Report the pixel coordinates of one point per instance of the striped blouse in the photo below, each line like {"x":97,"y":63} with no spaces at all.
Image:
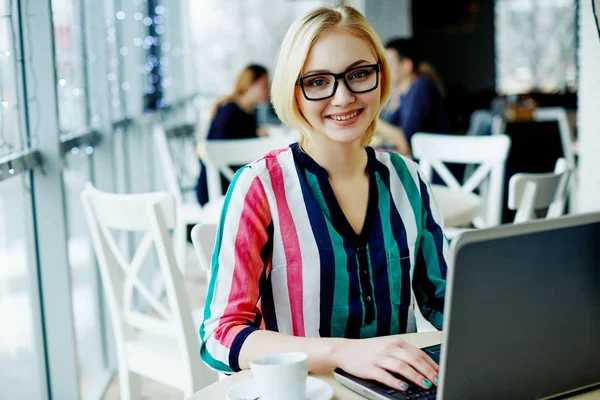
{"x":286,"y":258}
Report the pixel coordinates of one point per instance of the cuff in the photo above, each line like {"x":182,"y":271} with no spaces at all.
{"x":234,"y":352}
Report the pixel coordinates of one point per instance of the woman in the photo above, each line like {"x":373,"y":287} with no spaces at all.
{"x":417,"y":103}
{"x":320,"y":243}
{"x":233,"y":117}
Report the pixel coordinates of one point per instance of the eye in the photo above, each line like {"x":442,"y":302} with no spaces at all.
{"x":359,"y":74}
{"x":317,"y":81}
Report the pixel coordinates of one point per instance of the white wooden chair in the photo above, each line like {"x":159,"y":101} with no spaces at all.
{"x":162,"y":344}
{"x":188,"y":212}
{"x":529,"y":192}
{"x":220,"y":155}
{"x":559,"y":115}
{"x":490,"y":152}
{"x":203,"y":238}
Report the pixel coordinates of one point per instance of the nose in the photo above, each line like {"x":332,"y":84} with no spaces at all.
{"x":342,"y":96}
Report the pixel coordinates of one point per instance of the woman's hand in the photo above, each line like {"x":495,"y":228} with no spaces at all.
{"x":377,"y":358}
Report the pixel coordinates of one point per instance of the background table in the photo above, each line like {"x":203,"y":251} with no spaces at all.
{"x":218,"y":390}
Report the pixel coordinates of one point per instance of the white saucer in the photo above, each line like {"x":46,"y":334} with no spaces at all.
{"x":316,"y":389}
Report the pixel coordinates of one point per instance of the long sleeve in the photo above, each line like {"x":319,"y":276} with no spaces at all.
{"x":240,"y":264}
{"x":429,"y":281}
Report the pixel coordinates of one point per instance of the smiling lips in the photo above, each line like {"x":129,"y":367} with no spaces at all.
{"x":345,"y":119}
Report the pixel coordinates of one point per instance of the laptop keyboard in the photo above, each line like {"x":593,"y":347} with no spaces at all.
{"x":414,"y":392}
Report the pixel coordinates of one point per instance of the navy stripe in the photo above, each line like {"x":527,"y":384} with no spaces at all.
{"x":399,"y":233}
{"x":434,"y":228}
{"x":234,"y":352}
{"x":318,"y":224}
{"x":381,"y":284}
{"x":264,"y":284}
{"x":355,"y":306}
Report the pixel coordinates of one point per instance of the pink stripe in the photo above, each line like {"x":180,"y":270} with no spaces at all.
{"x":250,"y":239}
{"x":291,"y":247}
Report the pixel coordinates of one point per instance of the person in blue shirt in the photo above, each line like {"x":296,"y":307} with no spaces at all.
{"x":233,"y":117}
{"x":417,"y":102}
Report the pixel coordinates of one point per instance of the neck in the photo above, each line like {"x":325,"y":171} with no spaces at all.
{"x":342,"y":161}
{"x":246,"y":104}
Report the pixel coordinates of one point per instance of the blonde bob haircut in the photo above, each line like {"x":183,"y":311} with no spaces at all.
{"x":296,"y":45}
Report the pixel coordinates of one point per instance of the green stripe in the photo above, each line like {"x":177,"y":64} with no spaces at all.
{"x":410,"y":186}
{"x":339,"y":312}
{"x":214,"y":272}
{"x":394,"y":270}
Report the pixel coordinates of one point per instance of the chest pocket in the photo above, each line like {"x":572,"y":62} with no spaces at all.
{"x":398,"y":262}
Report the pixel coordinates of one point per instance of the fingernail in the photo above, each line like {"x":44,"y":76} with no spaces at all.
{"x":436,"y":380}
{"x":426,"y":383}
{"x":404,"y":386}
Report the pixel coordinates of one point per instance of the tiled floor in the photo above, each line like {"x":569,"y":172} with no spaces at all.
{"x":195,"y":285}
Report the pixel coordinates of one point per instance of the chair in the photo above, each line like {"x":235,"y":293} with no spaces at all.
{"x":162,"y":344}
{"x":203,"y":238}
{"x":188,"y":212}
{"x":528,"y":193}
{"x":220,"y":155}
{"x":490,"y":152}
{"x":559,"y":115}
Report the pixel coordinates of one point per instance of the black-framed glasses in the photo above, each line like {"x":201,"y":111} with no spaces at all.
{"x":322,"y":85}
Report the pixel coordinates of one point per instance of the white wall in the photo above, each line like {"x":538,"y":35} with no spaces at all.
{"x":390,"y":18}
{"x":588,"y":118}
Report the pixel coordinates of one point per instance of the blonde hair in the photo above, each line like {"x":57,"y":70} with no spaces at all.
{"x":296,"y":45}
{"x":244,"y":80}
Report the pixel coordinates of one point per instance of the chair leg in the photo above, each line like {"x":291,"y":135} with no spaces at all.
{"x":129,"y":385}
{"x":180,"y":239}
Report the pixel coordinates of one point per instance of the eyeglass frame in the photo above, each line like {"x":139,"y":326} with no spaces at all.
{"x":337,"y":77}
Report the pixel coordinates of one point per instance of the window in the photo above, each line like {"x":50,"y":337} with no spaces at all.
{"x":70,"y":71}
{"x":19,"y":357}
{"x":536,"y":45}
{"x":10,"y":138}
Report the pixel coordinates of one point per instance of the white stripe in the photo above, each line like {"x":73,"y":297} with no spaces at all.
{"x":400,"y":200}
{"x":311,"y":261}
{"x":226,"y":260}
{"x":278,"y":272}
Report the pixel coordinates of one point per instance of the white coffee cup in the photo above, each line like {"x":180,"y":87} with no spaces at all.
{"x":281,"y":376}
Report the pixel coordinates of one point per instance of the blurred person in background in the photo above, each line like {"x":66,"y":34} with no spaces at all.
{"x":233,"y":117}
{"x":417,"y":98}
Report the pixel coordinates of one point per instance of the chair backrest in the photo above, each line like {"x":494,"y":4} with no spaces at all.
{"x":529,"y":192}
{"x":220,"y":155}
{"x":151,"y":214}
{"x":480,"y":123}
{"x":166,"y":162}
{"x":489,"y":152}
{"x":559,"y":115}
{"x":203,"y":238}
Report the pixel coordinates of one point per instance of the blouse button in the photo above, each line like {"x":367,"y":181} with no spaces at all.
{"x":368,"y":298}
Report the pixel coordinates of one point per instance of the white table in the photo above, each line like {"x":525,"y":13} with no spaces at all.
{"x":458,"y":208}
{"x":218,"y":390}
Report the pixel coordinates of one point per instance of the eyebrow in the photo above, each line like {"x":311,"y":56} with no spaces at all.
{"x":320,"y":71}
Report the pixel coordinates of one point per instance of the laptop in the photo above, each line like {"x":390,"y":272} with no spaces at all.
{"x":522,"y":315}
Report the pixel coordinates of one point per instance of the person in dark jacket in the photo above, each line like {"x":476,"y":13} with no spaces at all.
{"x":417,"y":100}
{"x":233,"y":117}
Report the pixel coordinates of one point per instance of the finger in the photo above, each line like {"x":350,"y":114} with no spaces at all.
{"x":418,"y":360}
{"x":406,"y":370}
{"x":383,"y":376}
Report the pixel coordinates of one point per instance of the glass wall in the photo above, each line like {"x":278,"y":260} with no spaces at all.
{"x":10,"y":132}
{"x":19,"y":355}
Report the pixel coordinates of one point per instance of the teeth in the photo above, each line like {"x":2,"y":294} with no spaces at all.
{"x":345,"y":117}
